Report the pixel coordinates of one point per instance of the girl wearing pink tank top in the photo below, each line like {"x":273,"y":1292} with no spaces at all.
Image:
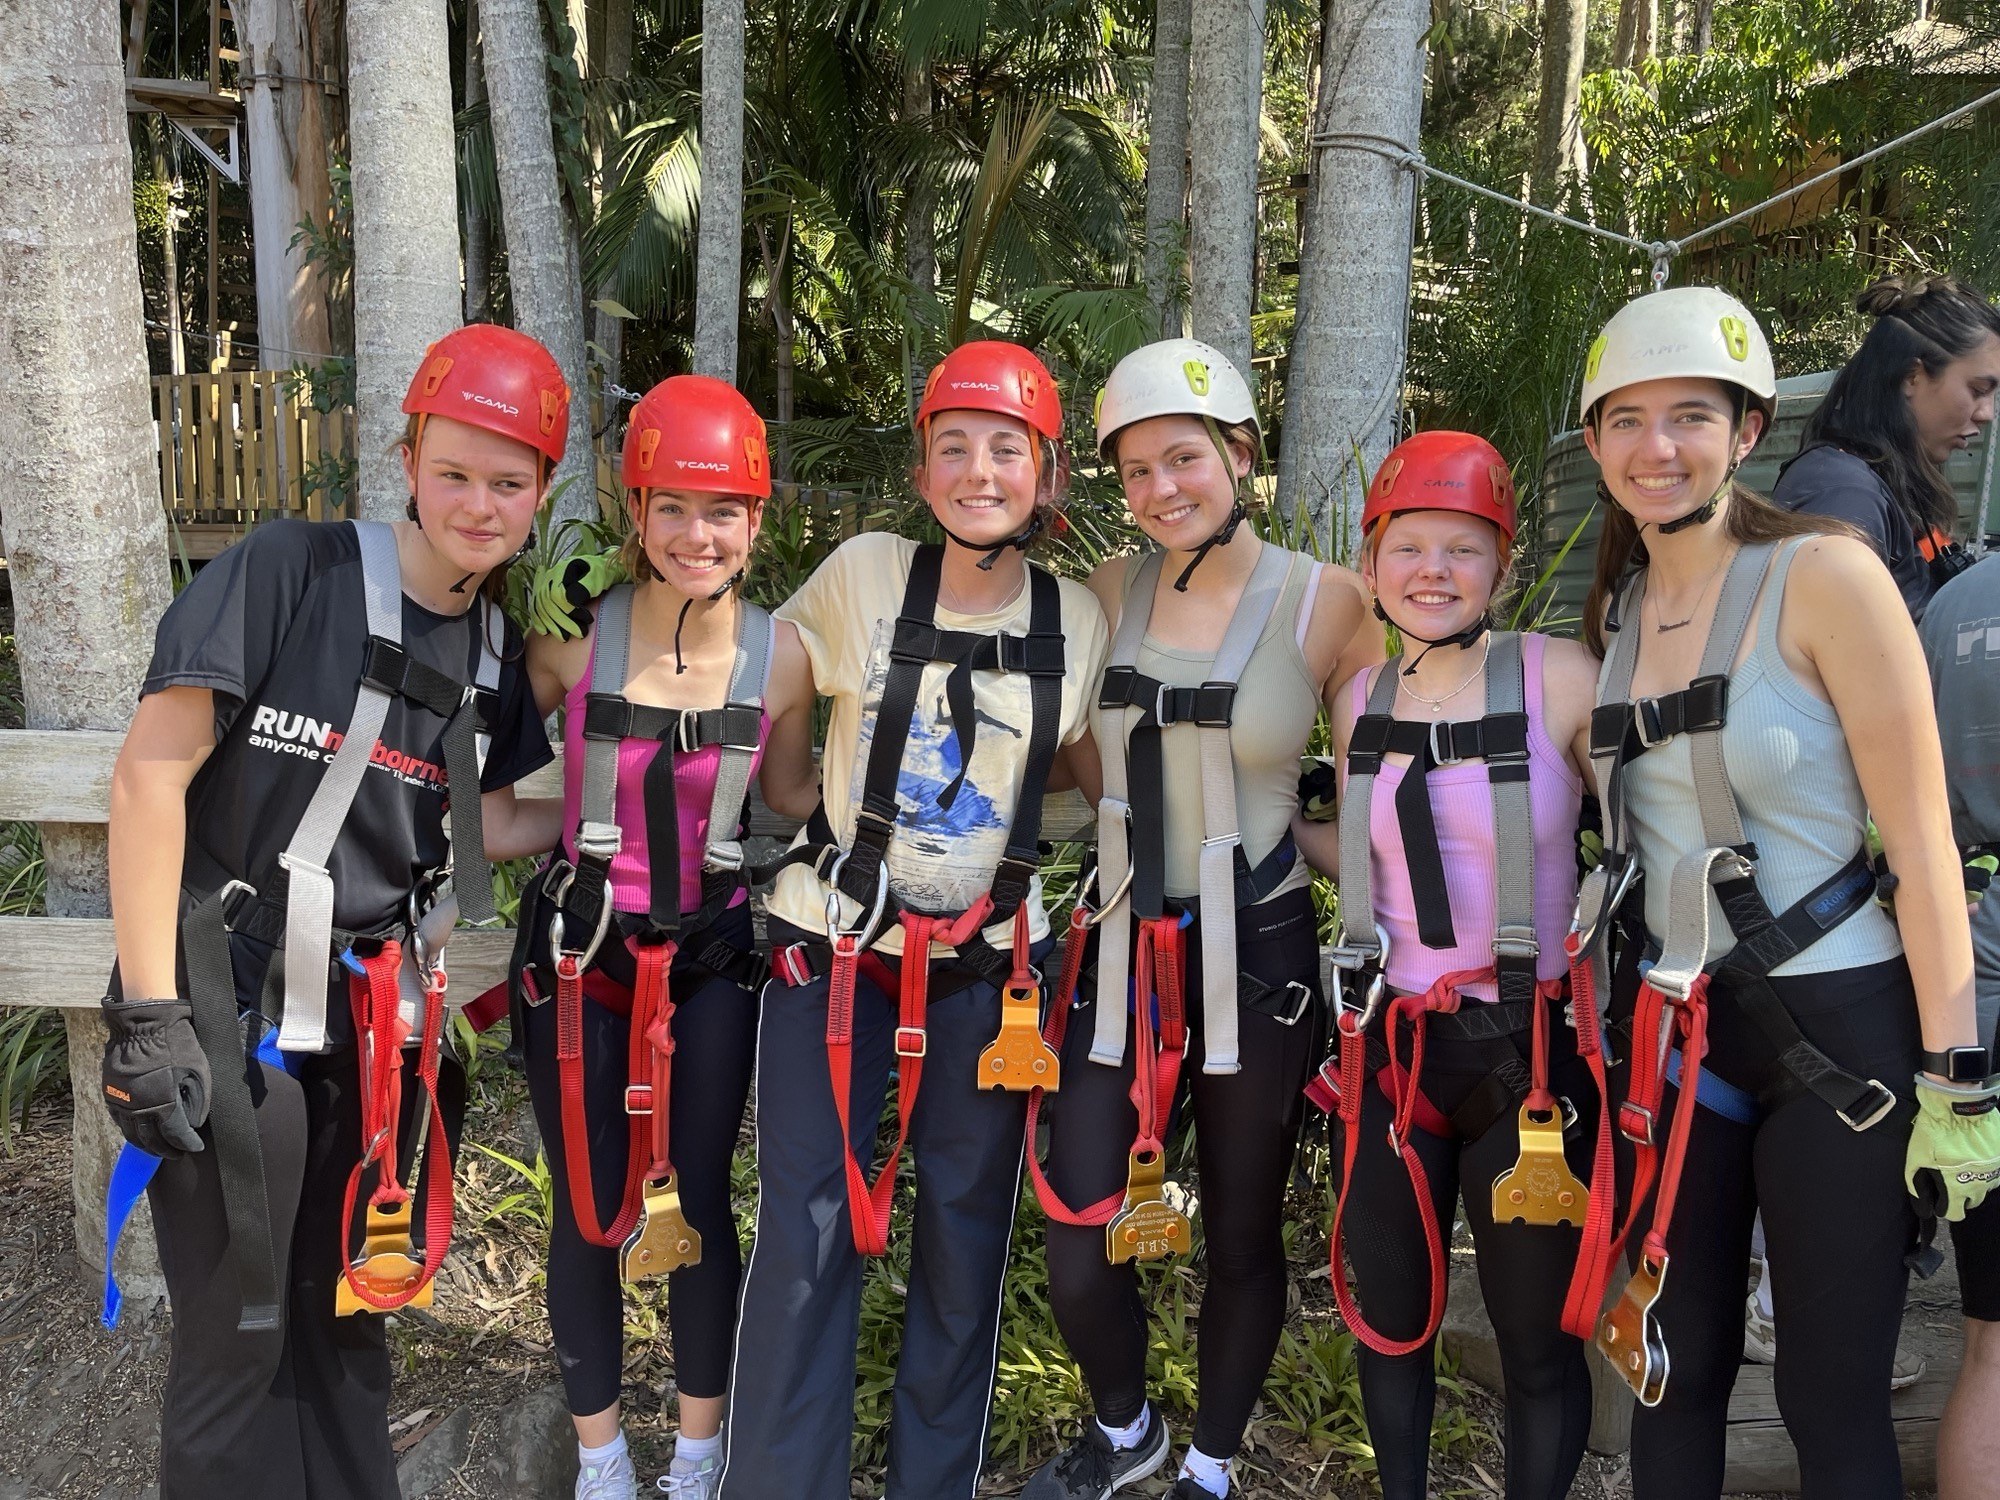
{"x":652,"y":1023}
{"x":1438,"y":532}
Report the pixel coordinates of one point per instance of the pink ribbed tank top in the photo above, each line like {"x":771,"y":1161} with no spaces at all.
{"x":1462,"y":806}
{"x":694,"y":786}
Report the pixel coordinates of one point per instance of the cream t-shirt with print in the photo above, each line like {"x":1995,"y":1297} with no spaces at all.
{"x":940,"y":859}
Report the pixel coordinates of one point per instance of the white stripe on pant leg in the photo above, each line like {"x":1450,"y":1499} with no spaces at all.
{"x":757,"y":1234}
{"x":999,"y":1298}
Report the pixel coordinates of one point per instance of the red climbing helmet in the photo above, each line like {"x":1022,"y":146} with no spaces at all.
{"x":1455,"y":471}
{"x":992,"y":375}
{"x":493,"y":377}
{"x":694,"y":432}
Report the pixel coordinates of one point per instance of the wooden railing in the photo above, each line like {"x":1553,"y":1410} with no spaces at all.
{"x":239,"y":447}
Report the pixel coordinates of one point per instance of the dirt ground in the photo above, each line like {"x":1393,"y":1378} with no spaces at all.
{"x":79,"y":1406}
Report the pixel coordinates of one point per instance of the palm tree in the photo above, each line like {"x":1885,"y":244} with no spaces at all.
{"x":1227,"y":53}
{"x":406,"y":281}
{"x":541,"y":236}
{"x":79,"y":500}
{"x":1344,"y":388}
{"x":719,"y":259}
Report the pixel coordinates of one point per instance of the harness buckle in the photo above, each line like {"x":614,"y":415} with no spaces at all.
{"x":912,"y":1041}
{"x":1302,"y":1003}
{"x":865,"y":934}
{"x":1518,"y":943}
{"x":1160,"y":695}
{"x":1651,"y":727}
{"x":791,"y":964}
{"x":638,"y":1098}
{"x":1443,"y":744}
{"x":232,"y":896}
{"x":598,"y":841}
{"x":294,"y":864}
{"x":1885,"y":1102}
{"x":725,"y":855}
{"x":1635,"y":1123}
{"x":687,"y":731}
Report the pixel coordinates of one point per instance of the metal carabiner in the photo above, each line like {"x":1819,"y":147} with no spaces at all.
{"x":1097,"y":914}
{"x":558,"y":931}
{"x":865,"y":934}
{"x":1377,"y":983}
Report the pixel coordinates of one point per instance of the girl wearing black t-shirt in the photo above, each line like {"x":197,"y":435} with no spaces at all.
{"x":645,"y":1201}
{"x":262,"y":668}
{"x":1919,"y":389}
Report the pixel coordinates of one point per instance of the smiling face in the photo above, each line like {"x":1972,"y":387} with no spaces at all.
{"x":1950,"y":408}
{"x":978,"y":475}
{"x":696,"y":542}
{"x":1666,"y":446}
{"x":1177,"y":486}
{"x":1434,"y":571}
{"x":476,"y":492}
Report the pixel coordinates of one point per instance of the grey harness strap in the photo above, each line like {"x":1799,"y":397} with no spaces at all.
{"x":598,"y":837}
{"x":309,"y":884}
{"x":1221,"y":835}
{"x":1363,"y":944}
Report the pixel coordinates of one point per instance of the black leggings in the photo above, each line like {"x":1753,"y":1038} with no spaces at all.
{"x":1524,"y":1272}
{"x":1246,"y":1129}
{"x":1837,"y":1223}
{"x":715,"y":1034}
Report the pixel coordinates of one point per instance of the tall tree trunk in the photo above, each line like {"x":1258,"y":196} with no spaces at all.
{"x":1346,"y":375}
{"x":1166,"y":164}
{"x":920,"y":210}
{"x":615,"y":65}
{"x":406,"y":287}
{"x":478,"y":229}
{"x":1704,"y":25}
{"x":1226,"y":53}
{"x":1559,"y":131}
{"x":1637,"y":21}
{"x":778,"y":277}
{"x":79,"y":500}
{"x":170,"y":257}
{"x":288,"y":176}
{"x":718,"y":278}
{"x":541,"y":241}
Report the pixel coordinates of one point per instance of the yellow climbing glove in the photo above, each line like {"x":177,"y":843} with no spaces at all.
{"x":1319,"y":792}
{"x":1885,"y":878}
{"x":1589,"y":837}
{"x":1954,"y":1155}
{"x":1980,"y":868}
{"x":559,"y":594}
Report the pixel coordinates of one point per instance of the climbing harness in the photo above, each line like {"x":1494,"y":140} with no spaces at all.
{"x":572,"y":903}
{"x":859,"y":874}
{"x":1669,"y":1021}
{"x":1540,"y":1188}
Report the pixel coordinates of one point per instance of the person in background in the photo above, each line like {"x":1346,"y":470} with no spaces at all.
{"x":1961,"y":636}
{"x":1919,"y":389}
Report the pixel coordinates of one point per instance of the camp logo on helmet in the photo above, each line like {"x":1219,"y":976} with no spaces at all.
{"x":705,"y":465}
{"x":1438,"y":482}
{"x":479,"y":400}
{"x":991,"y":387}
{"x":1661,"y":351}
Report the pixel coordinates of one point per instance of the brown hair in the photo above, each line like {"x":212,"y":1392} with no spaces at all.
{"x":632,"y":548}
{"x":1748,"y":517}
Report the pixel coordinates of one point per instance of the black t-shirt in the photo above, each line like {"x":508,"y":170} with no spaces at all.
{"x":277,"y":628}
{"x":1830,"y":481}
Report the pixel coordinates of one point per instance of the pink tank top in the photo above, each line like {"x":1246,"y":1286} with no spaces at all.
{"x":1462,"y":806}
{"x":694,"y":786}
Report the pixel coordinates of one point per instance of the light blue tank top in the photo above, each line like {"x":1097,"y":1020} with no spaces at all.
{"x":1794,"y":781}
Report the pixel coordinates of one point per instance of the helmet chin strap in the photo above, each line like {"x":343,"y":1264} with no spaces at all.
{"x":1224,"y":534}
{"x":687,"y":604}
{"x":1019,"y":541}
{"x":1467,"y":637}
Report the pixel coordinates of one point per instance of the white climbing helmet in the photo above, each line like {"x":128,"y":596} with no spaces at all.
{"x":1174,"y":377}
{"x":1681,"y":331}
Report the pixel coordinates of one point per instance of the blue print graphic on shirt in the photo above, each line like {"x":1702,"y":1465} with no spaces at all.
{"x":942,"y":859}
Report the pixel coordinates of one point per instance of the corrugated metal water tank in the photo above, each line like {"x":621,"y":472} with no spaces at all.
{"x":1569,"y":491}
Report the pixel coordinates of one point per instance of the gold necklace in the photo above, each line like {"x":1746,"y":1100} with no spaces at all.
{"x":1436,"y":705}
{"x":1661,"y":625}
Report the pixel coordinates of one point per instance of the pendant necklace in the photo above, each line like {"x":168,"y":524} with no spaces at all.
{"x":1662,"y":626}
{"x":1436,"y":705}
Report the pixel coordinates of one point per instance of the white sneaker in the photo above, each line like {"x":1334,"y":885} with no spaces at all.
{"x":692,"y":1484}
{"x":1760,"y":1336}
{"x":1907,"y":1371}
{"x":611,"y":1480}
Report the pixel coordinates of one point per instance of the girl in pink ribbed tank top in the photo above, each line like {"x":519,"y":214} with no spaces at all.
{"x":1433,"y":761}
{"x":637,"y":976}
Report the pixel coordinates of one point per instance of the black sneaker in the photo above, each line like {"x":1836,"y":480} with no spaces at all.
{"x":1091,"y":1469}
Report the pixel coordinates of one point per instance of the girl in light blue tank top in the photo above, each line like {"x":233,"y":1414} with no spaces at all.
{"x":1763,"y":692}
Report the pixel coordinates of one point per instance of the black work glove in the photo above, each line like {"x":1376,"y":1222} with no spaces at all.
{"x":155,"y":1075}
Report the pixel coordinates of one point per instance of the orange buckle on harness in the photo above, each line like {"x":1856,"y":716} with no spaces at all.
{"x":1017,"y":1058}
{"x":1540,"y":1188}
{"x":388,"y":1265}
{"x":1629,"y":1335}
{"x":1146,"y":1226}
{"x":663,"y":1241}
